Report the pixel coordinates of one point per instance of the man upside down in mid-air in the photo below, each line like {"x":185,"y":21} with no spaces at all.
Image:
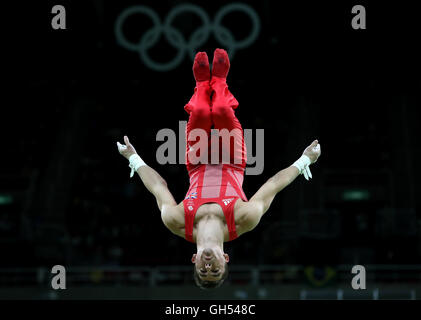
{"x":215,"y":209}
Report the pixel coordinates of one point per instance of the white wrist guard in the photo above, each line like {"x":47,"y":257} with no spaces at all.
{"x":303,"y":166}
{"x":135,"y":163}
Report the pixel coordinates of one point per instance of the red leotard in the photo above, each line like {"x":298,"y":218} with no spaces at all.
{"x":222,"y":182}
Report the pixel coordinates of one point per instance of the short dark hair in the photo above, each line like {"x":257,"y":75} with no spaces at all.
{"x":206,"y":284}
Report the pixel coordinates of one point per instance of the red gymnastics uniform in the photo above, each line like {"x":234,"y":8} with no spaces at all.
{"x":212,"y":107}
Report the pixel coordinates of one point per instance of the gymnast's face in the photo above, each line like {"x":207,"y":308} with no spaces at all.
{"x":210,"y":263}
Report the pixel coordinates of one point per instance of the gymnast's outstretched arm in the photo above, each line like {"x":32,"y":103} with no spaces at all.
{"x":150,"y":178}
{"x":253,"y":210}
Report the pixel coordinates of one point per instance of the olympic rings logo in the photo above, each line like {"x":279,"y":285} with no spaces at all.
{"x":176,"y":39}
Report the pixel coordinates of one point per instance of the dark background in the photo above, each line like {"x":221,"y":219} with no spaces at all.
{"x":69,"y":95}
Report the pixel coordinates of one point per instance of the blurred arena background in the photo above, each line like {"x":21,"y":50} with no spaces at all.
{"x":65,"y":193}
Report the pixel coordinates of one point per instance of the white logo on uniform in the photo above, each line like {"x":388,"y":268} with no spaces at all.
{"x":227,"y":201}
{"x":190,"y":208}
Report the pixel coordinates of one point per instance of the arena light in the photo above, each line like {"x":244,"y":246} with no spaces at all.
{"x":5,"y":199}
{"x":355,"y":195}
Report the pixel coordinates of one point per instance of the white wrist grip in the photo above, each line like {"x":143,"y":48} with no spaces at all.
{"x":135,"y":162}
{"x":303,"y":166}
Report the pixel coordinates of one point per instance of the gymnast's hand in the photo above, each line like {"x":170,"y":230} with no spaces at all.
{"x":313,"y":151}
{"x":126,"y":150}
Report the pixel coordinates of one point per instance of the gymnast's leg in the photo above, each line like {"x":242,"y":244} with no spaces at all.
{"x":222,"y":110}
{"x":199,"y":111}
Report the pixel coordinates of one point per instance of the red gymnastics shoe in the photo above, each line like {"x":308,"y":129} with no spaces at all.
{"x":221,"y":64}
{"x":201,"y":69}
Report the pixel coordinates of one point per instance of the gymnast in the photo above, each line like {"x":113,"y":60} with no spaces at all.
{"x":215,"y":209}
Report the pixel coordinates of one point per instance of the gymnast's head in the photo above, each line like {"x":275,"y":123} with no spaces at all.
{"x":210,"y":267}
